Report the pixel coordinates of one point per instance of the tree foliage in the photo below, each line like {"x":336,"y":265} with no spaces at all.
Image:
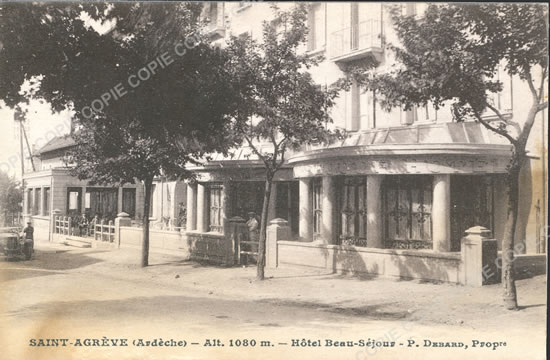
{"x":11,"y":195}
{"x":170,"y":98}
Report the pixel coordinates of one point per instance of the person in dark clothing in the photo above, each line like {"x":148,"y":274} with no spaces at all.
{"x":28,"y":231}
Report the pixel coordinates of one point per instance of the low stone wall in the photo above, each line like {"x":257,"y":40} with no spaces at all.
{"x":413,"y":264}
{"x":159,"y":240}
{"x":190,"y":245}
{"x":210,"y":247}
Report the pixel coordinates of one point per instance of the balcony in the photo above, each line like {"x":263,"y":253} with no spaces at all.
{"x":357,"y":42}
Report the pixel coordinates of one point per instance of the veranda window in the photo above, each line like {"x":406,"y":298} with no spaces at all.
{"x":408,"y":206}
{"x":216,"y":208}
{"x":353,"y":211}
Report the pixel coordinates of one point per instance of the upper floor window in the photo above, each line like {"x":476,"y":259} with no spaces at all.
{"x":501,"y":100}
{"x":363,"y":109}
{"x":360,"y":29}
{"x":316,"y":27}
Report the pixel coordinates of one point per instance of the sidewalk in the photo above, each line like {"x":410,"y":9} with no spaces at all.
{"x":375,"y":298}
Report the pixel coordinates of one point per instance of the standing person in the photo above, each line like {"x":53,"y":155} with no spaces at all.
{"x":83,"y":225}
{"x":28,"y":235}
{"x":252,"y":223}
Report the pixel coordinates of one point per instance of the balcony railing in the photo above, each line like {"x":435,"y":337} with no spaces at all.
{"x":356,"y":41}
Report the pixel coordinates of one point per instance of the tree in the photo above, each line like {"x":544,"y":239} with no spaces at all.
{"x":278,"y":102}
{"x":11,"y":196}
{"x":452,"y":54}
{"x":150,"y":96}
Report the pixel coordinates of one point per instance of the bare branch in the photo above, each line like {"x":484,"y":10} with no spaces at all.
{"x":494,"y":129}
{"x":542,"y":106}
{"x":497,"y":112}
{"x":256,"y":151}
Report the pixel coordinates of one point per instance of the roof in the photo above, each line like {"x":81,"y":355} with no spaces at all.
{"x":57,"y":143}
{"x":443,"y":133}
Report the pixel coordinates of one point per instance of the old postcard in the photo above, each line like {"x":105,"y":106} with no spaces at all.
{"x":262,"y":180}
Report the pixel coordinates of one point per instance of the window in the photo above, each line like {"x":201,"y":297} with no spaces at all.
{"x":317,"y":206}
{"x":408,"y":204}
{"x":129,"y":202}
{"x":353,"y":211}
{"x":316,"y":27}
{"x":501,"y":100}
{"x":46,"y":203}
{"x":216,"y":208}
{"x":363,"y":110}
{"x":102,"y":202}
{"x":30,"y":199}
{"x":37,"y":201}
{"x":73,"y":201}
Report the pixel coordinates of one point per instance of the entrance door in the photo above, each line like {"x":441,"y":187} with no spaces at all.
{"x":471,"y":205}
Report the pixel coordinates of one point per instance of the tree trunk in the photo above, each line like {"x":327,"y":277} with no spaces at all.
{"x":508,"y":276}
{"x":263,"y":226}
{"x":145,"y":234}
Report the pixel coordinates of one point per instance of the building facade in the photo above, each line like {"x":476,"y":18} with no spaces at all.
{"x":401,"y":179}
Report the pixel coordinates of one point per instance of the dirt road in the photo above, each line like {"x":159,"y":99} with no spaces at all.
{"x":94,"y":301}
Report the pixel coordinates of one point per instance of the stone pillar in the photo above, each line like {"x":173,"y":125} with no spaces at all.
{"x":272,"y":209}
{"x":441,"y":213}
{"x":83,"y":200}
{"x":119,"y":201}
{"x":202,"y":217}
{"x":306,"y":217}
{"x":122,"y":219}
{"x":191,"y":207}
{"x":479,"y":258}
{"x":278,"y":229}
{"x":328,"y":203}
{"x":374,"y":212}
{"x":55,"y":213}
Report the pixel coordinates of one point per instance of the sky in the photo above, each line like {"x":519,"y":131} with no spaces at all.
{"x":42,"y":125}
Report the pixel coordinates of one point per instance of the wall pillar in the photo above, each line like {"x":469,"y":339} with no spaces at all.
{"x":374,"y":211}
{"x":202,"y":226}
{"x":306,"y":217}
{"x":191,"y":207}
{"x":441,"y":213}
{"x":122,"y":219}
{"x":479,"y":258}
{"x":272,"y":209}
{"x":328,"y":203}
{"x":278,"y":229}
